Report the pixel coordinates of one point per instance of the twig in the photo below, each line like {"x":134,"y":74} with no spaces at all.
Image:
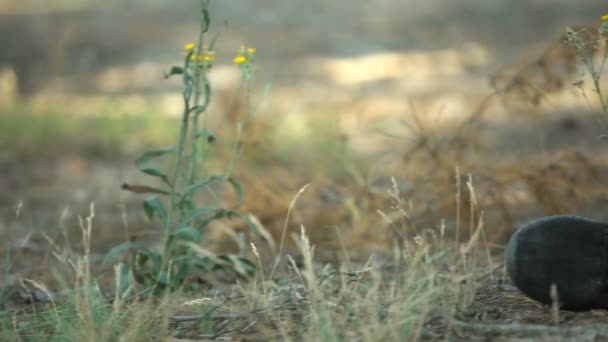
{"x":196,"y":318}
{"x":248,"y":326}
{"x":284,"y":232}
{"x":501,"y":328}
{"x":222,"y":327}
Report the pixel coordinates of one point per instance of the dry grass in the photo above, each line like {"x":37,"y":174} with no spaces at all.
{"x":386,"y":297}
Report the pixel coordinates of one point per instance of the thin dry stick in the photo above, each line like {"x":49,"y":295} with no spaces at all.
{"x":473,"y":202}
{"x":472,"y":218}
{"x":468,"y":250}
{"x":257,"y":256}
{"x":554,"y":304}
{"x":284,"y":232}
{"x":18,"y":209}
{"x":517,"y":328}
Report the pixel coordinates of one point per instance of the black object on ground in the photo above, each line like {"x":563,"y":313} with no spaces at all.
{"x":568,"y":251}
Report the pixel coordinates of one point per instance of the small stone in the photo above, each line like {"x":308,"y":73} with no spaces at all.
{"x":568,"y":251}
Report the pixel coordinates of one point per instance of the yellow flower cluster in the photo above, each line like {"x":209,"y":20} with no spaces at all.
{"x":605,"y":17}
{"x":206,"y":55}
{"x":244,"y":55}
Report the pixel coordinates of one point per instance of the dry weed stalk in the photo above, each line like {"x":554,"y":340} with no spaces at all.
{"x":532,"y":81}
{"x":567,"y":179}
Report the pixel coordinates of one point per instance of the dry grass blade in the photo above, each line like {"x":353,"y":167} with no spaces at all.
{"x":284,"y":231}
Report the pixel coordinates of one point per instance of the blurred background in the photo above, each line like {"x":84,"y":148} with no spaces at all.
{"x":433,"y":98}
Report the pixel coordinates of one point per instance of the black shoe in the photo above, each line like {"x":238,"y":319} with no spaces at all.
{"x":569,"y":251}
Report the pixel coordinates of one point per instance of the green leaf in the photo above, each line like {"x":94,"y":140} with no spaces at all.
{"x":210,"y":137}
{"x":140,"y":260}
{"x":206,"y":20}
{"x":186,"y":233}
{"x":195,"y":214}
{"x":125,"y":246}
{"x":197,"y":110}
{"x":189,"y":191}
{"x":220,"y":213}
{"x":207,"y":134}
{"x":246,"y":219}
{"x":200,"y":261}
{"x":163,"y":278}
{"x":144,"y":189}
{"x":175,"y":70}
{"x":207,"y":88}
{"x":157,"y":173}
{"x":183,"y":270}
{"x":153,"y":205}
{"x":125,"y":279}
{"x":240,"y":265}
{"x":235,"y":185}
{"x":153,"y":154}
{"x":229,"y":214}
{"x":150,"y":155}
{"x":237,"y":189}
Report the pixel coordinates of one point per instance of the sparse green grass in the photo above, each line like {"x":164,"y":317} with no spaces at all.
{"x":106,"y":135}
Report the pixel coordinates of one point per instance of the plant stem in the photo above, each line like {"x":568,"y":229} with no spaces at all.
{"x":596,"y":83}
{"x":595,"y":76}
{"x":192,"y":85}
{"x":199,"y":75}
{"x":183,"y":132}
{"x":598,"y":90}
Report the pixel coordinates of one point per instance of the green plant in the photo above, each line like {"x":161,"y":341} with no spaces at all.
{"x":174,"y":202}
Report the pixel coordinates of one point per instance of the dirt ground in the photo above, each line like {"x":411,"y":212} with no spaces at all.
{"x":370,"y":67}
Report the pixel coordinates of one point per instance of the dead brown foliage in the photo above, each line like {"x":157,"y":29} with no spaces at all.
{"x":548,"y":73}
{"x":455,"y":173}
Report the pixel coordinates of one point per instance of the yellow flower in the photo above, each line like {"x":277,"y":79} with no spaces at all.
{"x":189,"y":47}
{"x":605,"y":17}
{"x":251,"y":51}
{"x":240,"y":59}
{"x":208,"y":57}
